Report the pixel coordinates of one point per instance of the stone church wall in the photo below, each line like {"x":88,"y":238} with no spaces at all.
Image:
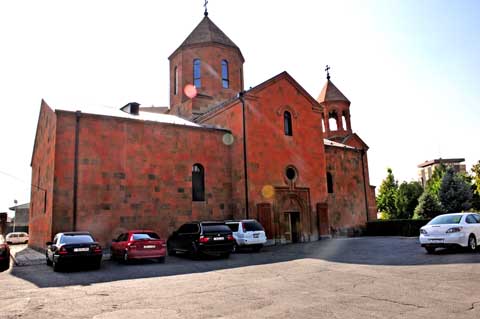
{"x":137,"y":175}
{"x":347,"y":208}
{"x":43,"y":165}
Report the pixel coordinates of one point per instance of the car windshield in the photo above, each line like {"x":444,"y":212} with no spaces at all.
{"x":212,"y":228}
{"x":76,"y":239}
{"x":144,"y":236}
{"x":233,"y":226}
{"x":446,"y":219}
{"x":252,"y":226}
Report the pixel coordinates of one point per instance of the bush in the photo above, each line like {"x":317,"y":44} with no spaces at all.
{"x":395,"y":227}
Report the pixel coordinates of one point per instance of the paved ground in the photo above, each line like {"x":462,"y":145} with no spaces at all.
{"x":341,"y":278}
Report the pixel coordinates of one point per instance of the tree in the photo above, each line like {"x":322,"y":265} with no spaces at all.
{"x":407,"y":199}
{"x":476,"y":186}
{"x":387,"y":194}
{"x":455,"y":192}
{"x":433,"y":184}
{"x":428,"y":206}
{"x":476,"y":177}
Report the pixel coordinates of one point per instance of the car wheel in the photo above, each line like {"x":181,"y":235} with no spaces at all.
{"x":194,"y":253}
{"x":257,"y":248}
{"x":472,"y":243}
{"x":171,"y":251}
{"x":55,"y":265}
{"x":4,"y":265}
{"x":430,"y":250}
{"x":125,"y":258}
{"x":161,"y":260}
{"x":225,"y":255}
{"x":97,"y":265}
{"x":49,"y":262}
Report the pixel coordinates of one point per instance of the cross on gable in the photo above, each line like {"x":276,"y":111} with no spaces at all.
{"x":327,"y":68}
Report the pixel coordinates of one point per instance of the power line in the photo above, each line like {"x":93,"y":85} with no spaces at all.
{"x":21,"y":180}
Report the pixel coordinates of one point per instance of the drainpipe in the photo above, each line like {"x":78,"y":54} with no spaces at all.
{"x":78,"y":114}
{"x":362,"y":152}
{"x":242,"y":99}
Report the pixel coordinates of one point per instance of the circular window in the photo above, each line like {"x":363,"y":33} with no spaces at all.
{"x":291,"y":173}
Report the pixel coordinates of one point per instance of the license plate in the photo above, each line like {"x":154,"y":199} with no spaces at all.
{"x":436,"y":239}
{"x":80,"y":249}
{"x":149,"y":246}
{"x":218,"y":238}
{"x":255,"y":235}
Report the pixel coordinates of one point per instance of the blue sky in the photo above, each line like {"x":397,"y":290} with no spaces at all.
{"x":408,"y":67}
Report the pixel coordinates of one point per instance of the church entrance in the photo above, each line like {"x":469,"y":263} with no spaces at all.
{"x":292,"y":226}
{"x":291,"y":215}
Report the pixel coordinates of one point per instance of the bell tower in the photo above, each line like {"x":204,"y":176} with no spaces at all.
{"x":336,"y":111}
{"x":205,"y":70}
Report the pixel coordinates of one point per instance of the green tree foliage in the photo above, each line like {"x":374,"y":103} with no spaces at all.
{"x":476,"y":177}
{"x":433,"y":184}
{"x":387,"y":194}
{"x":428,"y":206}
{"x":407,"y":199}
{"x":476,"y":186}
{"x":455,"y":192}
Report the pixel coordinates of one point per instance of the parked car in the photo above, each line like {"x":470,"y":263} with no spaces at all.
{"x":451,"y":230}
{"x":73,"y":248}
{"x":247,"y":233}
{"x":138,"y":244}
{"x":202,"y":238}
{"x":4,"y":254}
{"x":17,"y":238}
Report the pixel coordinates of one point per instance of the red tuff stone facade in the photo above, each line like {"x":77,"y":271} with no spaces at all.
{"x":267,"y":153}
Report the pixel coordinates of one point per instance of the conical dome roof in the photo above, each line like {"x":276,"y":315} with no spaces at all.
{"x":331,"y":93}
{"x":207,"y":32}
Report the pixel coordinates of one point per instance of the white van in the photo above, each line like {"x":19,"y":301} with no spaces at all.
{"x":17,"y":238}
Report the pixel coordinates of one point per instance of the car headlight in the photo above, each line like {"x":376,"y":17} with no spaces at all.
{"x":454,"y":230}
{"x":423,"y":231}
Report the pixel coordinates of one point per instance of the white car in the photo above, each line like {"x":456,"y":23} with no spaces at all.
{"x":247,"y":233}
{"x":450,"y":230}
{"x":17,"y":238}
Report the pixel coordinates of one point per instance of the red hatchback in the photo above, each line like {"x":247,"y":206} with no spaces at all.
{"x":138,"y":244}
{"x":4,"y":255}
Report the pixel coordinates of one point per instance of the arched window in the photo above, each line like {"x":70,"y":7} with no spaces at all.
{"x":175,"y":81}
{"x":329,"y":183}
{"x":198,"y":183}
{"x":323,"y":124}
{"x":225,"y":81}
{"x":332,"y":121}
{"x":196,"y":73}
{"x":287,"y":123}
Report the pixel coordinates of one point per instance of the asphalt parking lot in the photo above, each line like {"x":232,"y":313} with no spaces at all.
{"x":365,"y":277}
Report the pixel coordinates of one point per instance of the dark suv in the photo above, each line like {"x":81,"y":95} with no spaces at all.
{"x":197,"y":238}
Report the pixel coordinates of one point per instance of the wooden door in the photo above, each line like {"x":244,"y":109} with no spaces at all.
{"x":264,"y":213}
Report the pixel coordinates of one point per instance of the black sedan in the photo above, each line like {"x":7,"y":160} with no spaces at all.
{"x":73,"y":248}
{"x":202,"y":238}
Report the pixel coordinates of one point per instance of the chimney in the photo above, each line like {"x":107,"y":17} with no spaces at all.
{"x":131,"y":108}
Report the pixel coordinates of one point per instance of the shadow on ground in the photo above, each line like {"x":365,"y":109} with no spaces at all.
{"x":382,"y":251}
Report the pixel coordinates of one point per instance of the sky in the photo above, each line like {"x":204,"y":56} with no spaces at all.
{"x":410,"y":68}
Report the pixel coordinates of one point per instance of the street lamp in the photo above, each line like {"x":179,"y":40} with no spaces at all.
{"x":15,"y":216}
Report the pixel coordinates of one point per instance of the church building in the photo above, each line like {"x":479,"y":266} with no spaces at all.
{"x":272,"y":152}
